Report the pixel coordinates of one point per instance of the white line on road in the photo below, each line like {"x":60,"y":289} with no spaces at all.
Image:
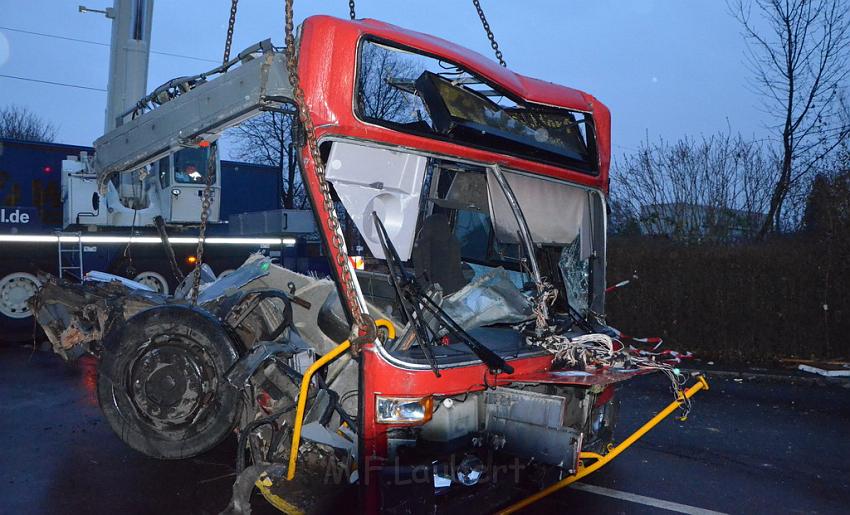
{"x":641,"y":499}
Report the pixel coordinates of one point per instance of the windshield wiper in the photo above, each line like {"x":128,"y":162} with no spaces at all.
{"x":401,"y":280}
{"x":414,"y":302}
{"x":526,"y":241}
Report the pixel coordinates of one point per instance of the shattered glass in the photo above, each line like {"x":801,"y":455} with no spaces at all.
{"x":491,"y":298}
{"x":576,"y":274}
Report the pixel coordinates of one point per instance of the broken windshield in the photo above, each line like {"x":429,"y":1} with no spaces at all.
{"x":456,"y":233}
{"x":575,"y":272}
{"x":559,"y":220}
{"x":415,"y":93}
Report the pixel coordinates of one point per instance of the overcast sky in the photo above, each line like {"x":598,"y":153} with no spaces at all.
{"x":666,"y":68}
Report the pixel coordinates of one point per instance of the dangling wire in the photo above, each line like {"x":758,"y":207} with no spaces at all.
{"x":489,"y":32}
{"x":598,"y":351}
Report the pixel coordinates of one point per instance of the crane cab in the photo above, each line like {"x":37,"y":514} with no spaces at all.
{"x":182,"y":179}
{"x":173,"y":188}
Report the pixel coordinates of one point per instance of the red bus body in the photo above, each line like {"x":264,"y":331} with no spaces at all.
{"x":328,"y":67}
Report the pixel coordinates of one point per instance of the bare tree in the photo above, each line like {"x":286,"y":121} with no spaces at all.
{"x":377,"y":96}
{"x":20,"y":123}
{"x":267,"y":139}
{"x":798,"y":52}
{"x":715,"y":188}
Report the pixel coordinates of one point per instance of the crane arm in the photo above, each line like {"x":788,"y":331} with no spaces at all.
{"x":200,"y":109}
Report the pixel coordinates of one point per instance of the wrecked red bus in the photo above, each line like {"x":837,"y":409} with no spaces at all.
{"x":471,"y":354}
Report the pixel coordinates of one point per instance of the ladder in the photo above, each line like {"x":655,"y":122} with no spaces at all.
{"x":69,"y":246}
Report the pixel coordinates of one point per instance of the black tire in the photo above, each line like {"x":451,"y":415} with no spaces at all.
{"x":161,"y":382}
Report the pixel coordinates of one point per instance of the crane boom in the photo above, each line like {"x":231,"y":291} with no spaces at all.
{"x":195,"y":108}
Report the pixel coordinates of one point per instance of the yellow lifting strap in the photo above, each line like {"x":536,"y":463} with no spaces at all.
{"x":305,"y":386}
{"x":601,"y":461}
{"x":264,"y":484}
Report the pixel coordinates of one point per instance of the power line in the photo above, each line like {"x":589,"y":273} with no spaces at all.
{"x":53,"y":36}
{"x":51,"y":82}
{"x":66,"y":38}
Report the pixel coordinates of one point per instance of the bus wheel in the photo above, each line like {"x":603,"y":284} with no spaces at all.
{"x":161,"y":383}
{"x":15,"y":291}
{"x":153,"y":280}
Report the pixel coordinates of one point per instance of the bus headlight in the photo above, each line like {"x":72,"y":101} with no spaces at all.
{"x":404,"y":410}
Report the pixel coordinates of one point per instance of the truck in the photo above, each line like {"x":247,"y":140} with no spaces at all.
{"x":470,"y":359}
{"x":54,"y":218}
{"x":51,"y":220}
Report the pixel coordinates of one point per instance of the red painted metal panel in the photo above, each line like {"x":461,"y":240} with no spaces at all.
{"x":391,"y":380}
{"x":328,"y":72}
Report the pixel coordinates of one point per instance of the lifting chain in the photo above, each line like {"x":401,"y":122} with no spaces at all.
{"x":230,"y":24}
{"x":351,"y":12}
{"x":490,"y":36}
{"x":205,"y":214}
{"x":364,"y":324}
{"x":211,"y":171}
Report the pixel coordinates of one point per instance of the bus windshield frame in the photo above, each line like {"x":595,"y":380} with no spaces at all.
{"x":410,"y":91}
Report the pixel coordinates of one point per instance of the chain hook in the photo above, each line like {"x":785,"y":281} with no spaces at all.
{"x":490,"y":36}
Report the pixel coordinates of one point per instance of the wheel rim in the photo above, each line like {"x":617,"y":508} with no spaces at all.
{"x":154,"y":281}
{"x":171,"y":382}
{"x":15,"y":290}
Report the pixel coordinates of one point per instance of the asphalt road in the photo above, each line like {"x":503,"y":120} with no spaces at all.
{"x":747,"y":447}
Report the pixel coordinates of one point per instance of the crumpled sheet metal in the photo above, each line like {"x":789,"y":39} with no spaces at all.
{"x":255,"y":266}
{"x":103,"y":277}
{"x":490,"y":298}
{"x":75,"y":317}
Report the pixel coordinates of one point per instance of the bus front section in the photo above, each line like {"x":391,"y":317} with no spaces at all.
{"x":479,"y":197}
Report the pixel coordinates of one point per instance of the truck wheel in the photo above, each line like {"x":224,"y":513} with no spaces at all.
{"x":153,"y":280}
{"x":15,"y":291}
{"x":161,"y":382}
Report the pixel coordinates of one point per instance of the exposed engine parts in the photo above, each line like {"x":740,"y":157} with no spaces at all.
{"x":597,"y":351}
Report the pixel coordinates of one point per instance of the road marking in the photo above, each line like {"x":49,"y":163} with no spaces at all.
{"x":641,"y":499}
